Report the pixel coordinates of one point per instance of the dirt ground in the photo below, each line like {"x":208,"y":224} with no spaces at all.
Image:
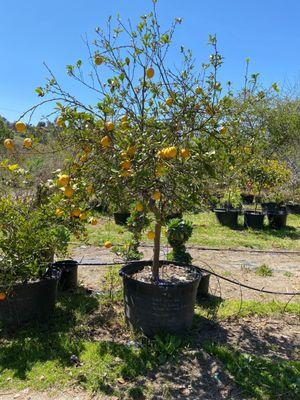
{"x":198,"y":375}
{"x":236,"y":265}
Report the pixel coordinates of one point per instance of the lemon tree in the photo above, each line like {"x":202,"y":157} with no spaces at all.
{"x":155,"y":130}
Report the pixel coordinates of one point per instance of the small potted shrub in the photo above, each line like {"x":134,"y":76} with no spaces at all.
{"x":36,"y":219}
{"x":29,"y":239}
{"x":228,"y":214}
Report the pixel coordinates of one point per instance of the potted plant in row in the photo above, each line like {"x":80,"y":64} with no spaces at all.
{"x":30,"y":236}
{"x":36,"y":220}
{"x":266,"y":175}
{"x":155,"y":135}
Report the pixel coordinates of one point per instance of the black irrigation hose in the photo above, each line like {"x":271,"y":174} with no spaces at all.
{"x":210,"y":272}
{"x":195,"y":247}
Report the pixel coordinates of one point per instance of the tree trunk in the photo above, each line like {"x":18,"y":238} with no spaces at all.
{"x":156,"y":251}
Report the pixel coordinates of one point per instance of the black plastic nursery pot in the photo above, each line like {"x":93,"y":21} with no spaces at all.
{"x":247,"y":198}
{"x":272,"y":207}
{"x":277,"y":220}
{"x":121,"y":218}
{"x":293,"y":208}
{"x":158,"y":308}
{"x":254,"y":219}
{"x":203,"y":287}
{"x":27,"y":302}
{"x":227,"y":217}
{"x":69,"y":274}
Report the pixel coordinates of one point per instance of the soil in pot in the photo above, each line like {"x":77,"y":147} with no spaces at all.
{"x":163,"y":307}
{"x":247,"y":198}
{"x":69,"y":274}
{"x":254,"y":219}
{"x":227,"y":217}
{"x":277,"y":220}
{"x":121,"y":218}
{"x":27,"y":302}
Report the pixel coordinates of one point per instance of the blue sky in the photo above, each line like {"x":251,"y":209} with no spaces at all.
{"x":33,"y":31}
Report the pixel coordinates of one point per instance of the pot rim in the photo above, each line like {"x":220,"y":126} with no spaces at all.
{"x":231,"y":210}
{"x":143,"y":263}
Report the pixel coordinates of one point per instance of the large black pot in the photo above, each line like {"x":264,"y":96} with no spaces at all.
{"x":293,"y":208}
{"x":254,"y":219}
{"x":272,"y":207}
{"x":277,"y":220}
{"x":247,"y":198}
{"x":69,"y":274}
{"x":121,"y":218}
{"x":227,"y":217}
{"x":158,"y":308}
{"x":28,"y":302}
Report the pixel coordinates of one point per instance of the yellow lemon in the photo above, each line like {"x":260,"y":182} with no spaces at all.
{"x":185,"y":153}
{"x":20,"y":126}
{"x":87,"y":149}
{"x":68,"y":191}
{"x":105,"y":141}
{"x":150,"y":235}
{"x":27,"y":143}
{"x":124,"y":125}
{"x":223,"y":130}
{"x":126,"y":165}
{"x":83,"y":158}
{"x":76,"y":212}
{"x":150,"y":73}
{"x":59,"y":121}
{"x":59,"y":212}
{"x":123,"y":155}
{"x":110,"y":126}
{"x":131,"y":151}
{"x":169,"y":101}
{"x":82,"y":216}
{"x":2,"y":296}
{"x":199,"y":90}
{"x":63,"y":180}
{"x":156,"y":195}
{"x":108,"y":244}
{"x":93,"y":221}
{"x":172,"y":152}
{"x":9,"y":144}
{"x":98,"y":59}
{"x":139,"y":207}
{"x":124,"y":118}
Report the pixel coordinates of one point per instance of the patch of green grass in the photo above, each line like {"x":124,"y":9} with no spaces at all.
{"x":39,"y":355}
{"x":288,"y":274}
{"x":209,"y":233}
{"x":258,"y":377}
{"x":216,"y":308}
{"x":264,"y":270}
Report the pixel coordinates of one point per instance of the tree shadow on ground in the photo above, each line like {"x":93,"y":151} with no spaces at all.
{"x":290,"y":232}
{"x":21,"y":348}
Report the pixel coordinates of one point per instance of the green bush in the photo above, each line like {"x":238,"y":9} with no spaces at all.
{"x":179,"y":232}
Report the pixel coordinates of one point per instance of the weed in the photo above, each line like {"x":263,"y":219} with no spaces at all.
{"x":264,"y":270}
